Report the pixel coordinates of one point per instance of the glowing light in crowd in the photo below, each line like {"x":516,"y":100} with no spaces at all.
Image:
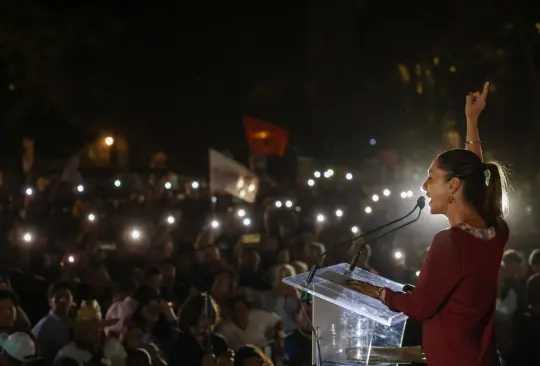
{"x":241,"y":212}
{"x":403,"y":195}
{"x":27,"y":237}
{"x":71,"y":259}
{"x":135,"y":234}
{"x":311,"y":182}
{"x":195,"y":185}
{"x":214,"y":199}
{"x":417,"y":273}
{"x":298,"y":209}
{"x":348,"y":176}
{"x":247,"y":222}
{"x":117,"y":183}
{"x":368,"y":210}
{"x":317,"y":174}
{"x":375,"y":198}
{"x":386,"y":192}
{"x":339,"y":213}
{"x":409,"y":194}
{"x":109,"y":141}
{"x":279,"y":204}
{"x":373,"y":142}
{"x":80,"y":188}
{"x":354,"y":229}
{"x":251,"y":187}
{"x":320,"y":218}
{"x":168,"y":185}
{"x":170,"y":219}
{"x":91,"y":217}
{"x":288,"y":204}
{"x":214,"y":224}
{"x":29,"y":191}
{"x":398,"y":254}
{"x":328,"y":173}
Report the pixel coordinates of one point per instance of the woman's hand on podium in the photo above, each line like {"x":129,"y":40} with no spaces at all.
{"x":365,"y":288}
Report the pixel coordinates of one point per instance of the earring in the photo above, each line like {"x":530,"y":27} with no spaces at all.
{"x":451,"y":199}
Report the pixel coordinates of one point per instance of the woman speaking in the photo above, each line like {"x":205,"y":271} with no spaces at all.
{"x":456,"y":291}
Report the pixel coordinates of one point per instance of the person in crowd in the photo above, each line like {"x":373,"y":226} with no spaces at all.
{"x":223,"y":288}
{"x":153,"y":278}
{"x":87,"y":345}
{"x":209,"y":262}
{"x":514,"y":271}
{"x":169,"y":288}
{"x":122,"y":308}
{"x":18,"y":349}
{"x":300,"y":267}
{"x":250,"y":272}
{"x":250,"y":355}
{"x":533,"y":283}
{"x":248,"y":325}
{"x":23,"y":322}
{"x":197,"y":320}
{"x":298,"y":345}
{"x":314,"y":253}
{"x":282,"y":299}
{"x":54,"y":330}
{"x":156,"y":320}
{"x":8,"y":311}
{"x":456,"y":291}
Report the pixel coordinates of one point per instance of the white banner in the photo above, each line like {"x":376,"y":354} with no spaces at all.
{"x":229,"y":176}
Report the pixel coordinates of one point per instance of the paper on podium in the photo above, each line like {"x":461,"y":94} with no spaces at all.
{"x":350,"y":324}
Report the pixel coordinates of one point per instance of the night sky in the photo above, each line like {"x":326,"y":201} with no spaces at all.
{"x":179,"y":75}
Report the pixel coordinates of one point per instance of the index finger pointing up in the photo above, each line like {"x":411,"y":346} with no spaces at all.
{"x":485,"y":90}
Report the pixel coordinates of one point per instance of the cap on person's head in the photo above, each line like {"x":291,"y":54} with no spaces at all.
{"x":60,"y":285}
{"x":8,"y":294}
{"x":20,"y":346}
{"x":90,"y":313}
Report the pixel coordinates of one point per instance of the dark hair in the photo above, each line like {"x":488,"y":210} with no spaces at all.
{"x":60,"y":285}
{"x":473,"y":173}
{"x":191,"y":310}
{"x":512,"y":256}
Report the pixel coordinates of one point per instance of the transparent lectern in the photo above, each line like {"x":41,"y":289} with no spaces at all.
{"x":352,"y":328}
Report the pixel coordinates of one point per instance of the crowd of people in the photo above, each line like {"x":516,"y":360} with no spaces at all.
{"x":166,"y":277}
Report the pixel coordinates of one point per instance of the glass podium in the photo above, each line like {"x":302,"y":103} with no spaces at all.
{"x":352,"y":328}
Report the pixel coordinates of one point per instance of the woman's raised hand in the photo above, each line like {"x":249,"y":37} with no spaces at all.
{"x":475,"y":103}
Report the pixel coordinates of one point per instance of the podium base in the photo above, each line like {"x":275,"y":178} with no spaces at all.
{"x":387,"y":356}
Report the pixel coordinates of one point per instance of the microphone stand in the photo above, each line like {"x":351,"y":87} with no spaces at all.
{"x":421,"y":202}
{"x":208,"y":332}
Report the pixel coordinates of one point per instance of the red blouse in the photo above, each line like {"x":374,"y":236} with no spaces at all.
{"x":455,"y":298}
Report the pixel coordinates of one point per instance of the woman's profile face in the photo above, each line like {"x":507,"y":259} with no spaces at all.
{"x":436,"y":187}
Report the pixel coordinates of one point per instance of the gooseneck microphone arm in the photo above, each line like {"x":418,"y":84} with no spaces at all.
{"x":420,"y":203}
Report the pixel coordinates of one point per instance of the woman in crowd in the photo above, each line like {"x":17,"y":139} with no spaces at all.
{"x":457,"y":288}
{"x":197,"y":319}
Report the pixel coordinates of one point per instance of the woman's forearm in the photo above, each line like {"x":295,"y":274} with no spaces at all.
{"x":472,"y":141}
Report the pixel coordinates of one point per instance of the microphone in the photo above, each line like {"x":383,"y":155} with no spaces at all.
{"x":420,"y":203}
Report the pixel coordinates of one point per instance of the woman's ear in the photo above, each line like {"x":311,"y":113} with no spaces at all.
{"x":454,"y":185}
